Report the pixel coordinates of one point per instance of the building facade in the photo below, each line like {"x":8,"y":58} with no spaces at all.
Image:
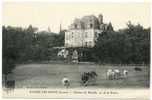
{"x":85,"y":31}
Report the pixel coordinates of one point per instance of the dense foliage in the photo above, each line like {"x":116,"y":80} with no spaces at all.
{"x":27,"y":45}
{"x":127,"y":46}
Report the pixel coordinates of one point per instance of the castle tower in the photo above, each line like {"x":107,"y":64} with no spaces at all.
{"x":100,"y":18}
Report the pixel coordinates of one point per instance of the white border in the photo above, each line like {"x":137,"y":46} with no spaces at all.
{"x":62,"y":1}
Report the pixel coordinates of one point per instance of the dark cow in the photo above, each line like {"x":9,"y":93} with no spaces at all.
{"x":93,"y":74}
{"x":87,"y":76}
{"x":137,"y":69}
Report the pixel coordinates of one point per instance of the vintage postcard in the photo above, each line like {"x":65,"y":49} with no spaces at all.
{"x":76,"y":50}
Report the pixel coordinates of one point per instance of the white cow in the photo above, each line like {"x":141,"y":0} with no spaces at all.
{"x":125,"y":73}
{"x":110,"y":74}
{"x":66,"y":82}
{"x":117,"y":73}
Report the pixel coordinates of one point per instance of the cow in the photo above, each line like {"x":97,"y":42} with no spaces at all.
{"x":87,"y":77}
{"x":137,"y":69}
{"x":125,"y":73}
{"x":66,"y":82}
{"x":117,"y":74}
{"x":110,"y":74}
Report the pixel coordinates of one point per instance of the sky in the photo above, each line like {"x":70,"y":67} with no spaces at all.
{"x":46,"y":14}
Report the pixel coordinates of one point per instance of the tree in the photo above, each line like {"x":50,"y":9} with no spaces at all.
{"x":129,"y":45}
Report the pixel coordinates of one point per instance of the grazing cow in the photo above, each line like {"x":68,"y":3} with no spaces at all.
{"x":110,"y":74}
{"x":66,"y":82}
{"x":125,"y":73}
{"x":93,"y":74}
{"x":93,"y":77}
{"x":87,"y":77}
{"x":116,"y":74}
{"x":137,"y":69}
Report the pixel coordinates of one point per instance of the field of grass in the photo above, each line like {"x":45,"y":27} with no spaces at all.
{"x":50,"y":76}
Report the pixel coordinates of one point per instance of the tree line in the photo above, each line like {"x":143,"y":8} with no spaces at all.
{"x":130,"y":45}
{"x":21,"y":45}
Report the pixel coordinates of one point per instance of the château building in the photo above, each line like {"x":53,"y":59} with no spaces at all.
{"x":82,"y":35}
{"x":85,"y":31}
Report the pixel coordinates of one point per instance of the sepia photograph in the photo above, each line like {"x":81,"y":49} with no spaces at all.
{"x":76,"y":50}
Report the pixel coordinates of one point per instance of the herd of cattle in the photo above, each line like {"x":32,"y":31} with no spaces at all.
{"x":90,"y":77}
